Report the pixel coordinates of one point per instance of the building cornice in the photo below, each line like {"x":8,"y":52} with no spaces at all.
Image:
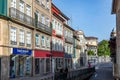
{"x":114,"y":5}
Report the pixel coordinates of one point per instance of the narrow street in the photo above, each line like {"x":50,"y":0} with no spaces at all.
{"x":103,"y":72}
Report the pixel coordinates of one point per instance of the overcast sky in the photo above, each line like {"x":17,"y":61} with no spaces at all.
{"x":92,"y":16}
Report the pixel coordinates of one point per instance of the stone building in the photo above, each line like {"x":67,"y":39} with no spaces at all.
{"x":116,"y":10}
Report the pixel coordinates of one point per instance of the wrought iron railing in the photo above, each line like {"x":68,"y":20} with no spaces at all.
{"x":43,"y":27}
{"x":22,"y":17}
{"x":68,"y":40}
{"x":16,"y":14}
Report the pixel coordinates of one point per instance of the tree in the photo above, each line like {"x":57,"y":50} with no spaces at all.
{"x":103,"y":48}
{"x":90,"y":52}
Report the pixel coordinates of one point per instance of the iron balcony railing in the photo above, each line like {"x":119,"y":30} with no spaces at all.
{"x":16,"y":14}
{"x":43,"y":27}
{"x":68,"y":39}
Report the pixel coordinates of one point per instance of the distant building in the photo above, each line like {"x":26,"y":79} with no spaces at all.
{"x":91,"y":44}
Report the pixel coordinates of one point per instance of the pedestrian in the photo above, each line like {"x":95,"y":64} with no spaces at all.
{"x":65,"y":73}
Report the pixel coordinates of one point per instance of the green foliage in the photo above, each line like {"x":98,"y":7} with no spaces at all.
{"x":103,"y":48}
{"x":90,"y":52}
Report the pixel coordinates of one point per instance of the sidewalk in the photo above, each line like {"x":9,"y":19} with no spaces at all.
{"x":49,"y":77}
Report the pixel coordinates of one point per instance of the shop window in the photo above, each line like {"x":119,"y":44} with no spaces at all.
{"x":19,"y":65}
{"x":28,"y":66}
{"x":13,"y":37}
{"x":37,"y":66}
{"x":47,"y":65}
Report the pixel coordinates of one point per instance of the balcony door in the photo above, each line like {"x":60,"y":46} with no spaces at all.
{"x":28,"y":13}
{"x":13,"y":8}
{"x":21,"y":8}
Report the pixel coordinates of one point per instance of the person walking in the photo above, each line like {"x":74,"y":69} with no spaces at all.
{"x":65,"y":73}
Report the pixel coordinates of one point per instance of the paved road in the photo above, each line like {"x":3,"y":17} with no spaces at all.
{"x":103,"y":72}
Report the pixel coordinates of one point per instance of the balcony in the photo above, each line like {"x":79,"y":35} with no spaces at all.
{"x":18,"y":15}
{"x":58,"y":33}
{"x":27,"y":20}
{"x":43,"y":27}
{"x":69,"y":40}
{"x":78,"y":46}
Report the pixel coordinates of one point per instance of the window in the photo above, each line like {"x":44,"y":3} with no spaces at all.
{"x":28,"y":10}
{"x":43,"y":41}
{"x":13,"y":3}
{"x":21,"y":8}
{"x":28,"y":13}
{"x":37,"y":44}
{"x":71,"y":50}
{"x":43,"y":19}
{"x":28,"y":39}
{"x":53,"y":44}
{"x":47,"y":21}
{"x":47,"y":4}
{"x":13,"y":36}
{"x":36,"y":18}
{"x":48,"y":42}
{"x":47,"y":65}
{"x":53,"y":24}
{"x":21,"y":38}
{"x":37,"y":66}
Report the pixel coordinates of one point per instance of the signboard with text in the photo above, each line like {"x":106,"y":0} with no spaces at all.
{"x":21,"y":51}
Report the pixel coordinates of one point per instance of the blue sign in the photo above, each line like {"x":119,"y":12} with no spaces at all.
{"x":21,"y":51}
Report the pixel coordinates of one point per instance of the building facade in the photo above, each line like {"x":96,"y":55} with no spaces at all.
{"x":83,"y":54}
{"x":116,"y":10}
{"x":68,"y":46}
{"x":25,"y":38}
{"x":42,"y":37}
{"x":91,"y":43}
{"x":57,"y":38}
{"x":76,"y":51}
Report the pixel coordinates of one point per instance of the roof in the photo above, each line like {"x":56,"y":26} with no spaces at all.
{"x":60,"y":12}
{"x":114,"y":4}
{"x":91,"y":37}
{"x":68,"y":27}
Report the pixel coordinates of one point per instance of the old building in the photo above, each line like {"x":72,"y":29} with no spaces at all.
{"x":25,"y":38}
{"x":76,"y":50}
{"x":58,"y":18}
{"x":68,"y":45}
{"x":83,"y":48}
{"x":116,"y":10}
{"x":42,"y":37}
{"x":16,"y":27}
{"x":91,"y":43}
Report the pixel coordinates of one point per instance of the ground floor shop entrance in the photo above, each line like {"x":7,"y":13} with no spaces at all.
{"x":20,"y":65}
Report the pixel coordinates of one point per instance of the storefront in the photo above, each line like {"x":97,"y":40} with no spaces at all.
{"x":20,"y":62}
{"x":57,"y":60}
{"x":42,"y":62}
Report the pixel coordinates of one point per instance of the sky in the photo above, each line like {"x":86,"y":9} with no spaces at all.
{"x":92,"y":16}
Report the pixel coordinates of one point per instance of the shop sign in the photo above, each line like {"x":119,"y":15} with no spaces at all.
{"x":21,"y":51}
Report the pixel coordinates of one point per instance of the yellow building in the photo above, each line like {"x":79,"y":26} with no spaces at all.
{"x":24,"y":33}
